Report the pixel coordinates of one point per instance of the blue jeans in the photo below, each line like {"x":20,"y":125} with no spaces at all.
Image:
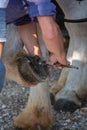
{"x":2,"y":26}
{"x":2,"y":75}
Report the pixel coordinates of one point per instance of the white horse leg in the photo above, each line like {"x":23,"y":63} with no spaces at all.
{"x":70,"y":97}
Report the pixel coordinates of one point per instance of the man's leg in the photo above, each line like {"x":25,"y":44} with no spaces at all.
{"x":28,"y":34}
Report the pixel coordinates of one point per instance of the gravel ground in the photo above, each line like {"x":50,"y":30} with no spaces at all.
{"x":14,"y":98}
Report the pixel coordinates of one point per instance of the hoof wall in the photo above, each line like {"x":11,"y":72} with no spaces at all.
{"x":65,"y":105}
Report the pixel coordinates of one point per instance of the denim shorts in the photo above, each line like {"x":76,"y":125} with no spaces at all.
{"x":14,"y":11}
{"x":18,"y":9}
{"x":22,"y":12}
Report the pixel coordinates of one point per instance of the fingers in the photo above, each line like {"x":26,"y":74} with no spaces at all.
{"x":55,"y":62}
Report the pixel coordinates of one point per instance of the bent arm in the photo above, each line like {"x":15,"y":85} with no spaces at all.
{"x":53,"y":39}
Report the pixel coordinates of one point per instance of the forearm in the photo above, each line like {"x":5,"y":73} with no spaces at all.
{"x":53,"y":39}
{"x":53,"y":44}
{"x":52,"y":36}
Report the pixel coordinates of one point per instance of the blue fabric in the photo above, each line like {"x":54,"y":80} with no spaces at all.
{"x":41,"y":8}
{"x":23,"y":20}
{"x":15,"y":10}
{"x":2,"y":26}
{"x":2,"y":75}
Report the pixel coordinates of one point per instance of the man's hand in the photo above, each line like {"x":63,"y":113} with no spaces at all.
{"x":57,"y":65}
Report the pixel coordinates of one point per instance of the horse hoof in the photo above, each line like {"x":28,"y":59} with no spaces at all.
{"x":65,"y":105}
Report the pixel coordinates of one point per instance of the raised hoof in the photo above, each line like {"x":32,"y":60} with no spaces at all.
{"x":65,"y":105}
{"x":52,"y":98}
